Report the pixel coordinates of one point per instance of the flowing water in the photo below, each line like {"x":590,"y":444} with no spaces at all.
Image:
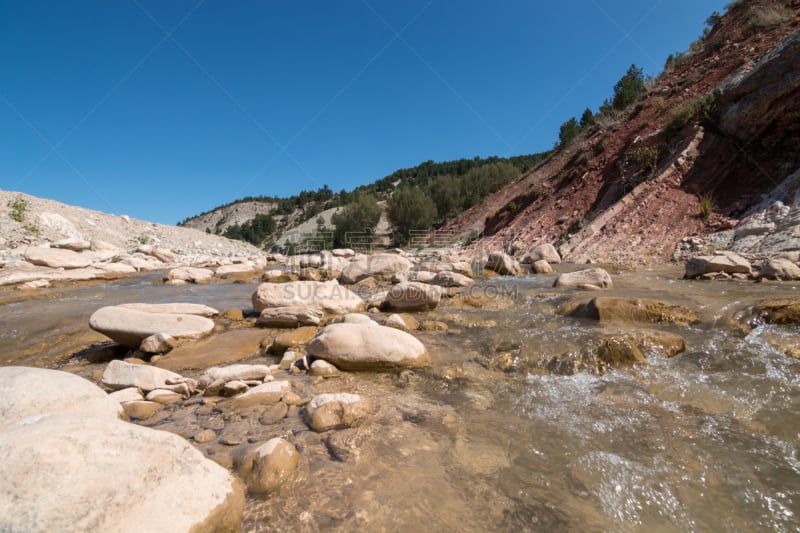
{"x":487,"y":439}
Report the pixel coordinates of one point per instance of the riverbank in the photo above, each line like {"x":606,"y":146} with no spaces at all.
{"x":517,"y":418}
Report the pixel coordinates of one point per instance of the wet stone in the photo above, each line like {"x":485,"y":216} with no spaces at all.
{"x":273,"y":414}
{"x":204,"y":436}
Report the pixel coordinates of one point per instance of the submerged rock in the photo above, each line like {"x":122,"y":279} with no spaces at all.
{"x":336,"y":411}
{"x":269,"y":466}
{"x":632,"y":310}
{"x":367,"y":346}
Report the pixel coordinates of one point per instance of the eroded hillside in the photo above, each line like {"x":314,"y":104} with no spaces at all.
{"x":692,"y":156}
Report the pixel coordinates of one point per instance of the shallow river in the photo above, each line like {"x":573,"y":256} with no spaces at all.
{"x":487,"y":439}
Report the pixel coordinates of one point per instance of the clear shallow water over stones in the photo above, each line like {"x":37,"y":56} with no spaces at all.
{"x":486,"y":438}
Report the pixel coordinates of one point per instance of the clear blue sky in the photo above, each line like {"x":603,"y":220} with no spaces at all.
{"x":162,"y":109}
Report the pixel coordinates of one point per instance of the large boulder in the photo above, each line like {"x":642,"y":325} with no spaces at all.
{"x":31,"y":392}
{"x":590,"y":278}
{"x":413,"y":296}
{"x":328,"y":296}
{"x":70,"y":464}
{"x":337,"y":411}
{"x":367,"y":346}
{"x":727,"y":262}
{"x":503,"y":264}
{"x":57,"y":257}
{"x":130,"y":327}
{"x":378,"y":265}
{"x":543,"y":252}
{"x":780,"y":268}
{"x":74,"y":472}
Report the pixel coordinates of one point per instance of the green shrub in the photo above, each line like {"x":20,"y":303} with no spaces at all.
{"x":638,"y":165}
{"x":17,"y":207}
{"x":707,"y":206}
{"x":698,"y":108}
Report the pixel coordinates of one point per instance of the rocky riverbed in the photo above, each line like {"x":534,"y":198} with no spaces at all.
{"x":340,"y":392}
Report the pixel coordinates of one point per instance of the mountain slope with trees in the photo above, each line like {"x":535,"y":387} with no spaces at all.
{"x":689,"y":153}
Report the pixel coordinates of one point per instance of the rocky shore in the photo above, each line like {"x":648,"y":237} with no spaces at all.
{"x":200,"y":372}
